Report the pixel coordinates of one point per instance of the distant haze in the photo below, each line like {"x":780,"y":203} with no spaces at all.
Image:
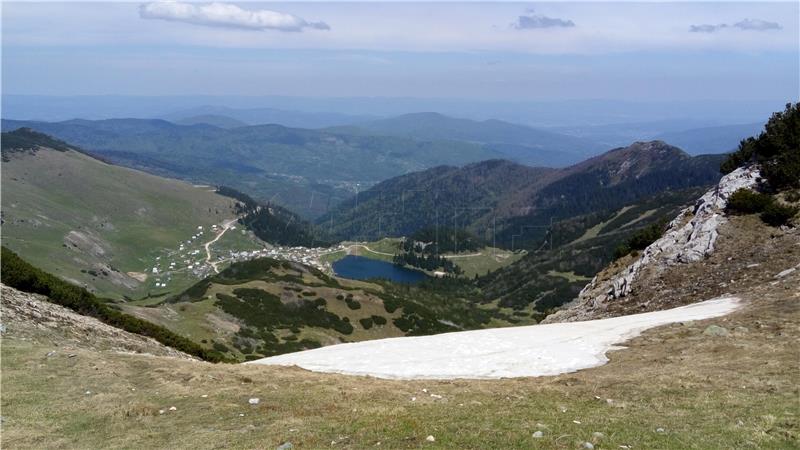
{"x":502,"y":53}
{"x":590,"y":115}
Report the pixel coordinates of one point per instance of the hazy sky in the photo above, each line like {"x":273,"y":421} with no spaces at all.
{"x":521,"y":51}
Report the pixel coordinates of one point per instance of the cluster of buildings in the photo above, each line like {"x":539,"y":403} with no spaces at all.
{"x":190,"y":257}
{"x":303,"y":255}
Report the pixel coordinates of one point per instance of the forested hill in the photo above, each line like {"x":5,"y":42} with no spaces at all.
{"x":25,"y":139}
{"x":444,"y":196}
{"x":273,"y":223}
{"x":503,"y":198}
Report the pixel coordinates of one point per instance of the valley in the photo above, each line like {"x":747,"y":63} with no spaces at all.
{"x":205,"y":280}
{"x":425,"y":225}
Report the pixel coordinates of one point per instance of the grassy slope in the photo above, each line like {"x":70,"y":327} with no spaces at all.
{"x":129,"y":214}
{"x":704,"y":392}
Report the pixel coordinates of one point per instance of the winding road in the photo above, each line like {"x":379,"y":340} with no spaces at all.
{"x":225,"y":227}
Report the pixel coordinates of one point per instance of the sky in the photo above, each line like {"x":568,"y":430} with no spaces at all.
{"x":490,"y":51}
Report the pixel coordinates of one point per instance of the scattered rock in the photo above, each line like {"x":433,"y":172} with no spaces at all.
{"x":660,"y":430}
{"x":88,"y":392}
{"x":588,"y":446}
{"x":172,"y":408}
{"x":430,"y":438}
{"x":598,"y":435}
{"x":413,"y":399}
{"x":254,"y":401}
{"x":51,"y":354}
{"x":538,"y":434}
{"x":204,"y":396}
{"x":741,"y":330}
{"x":285,"y":446}
{"x":577,"y":422}
{"x":785,"y":273}
{"x":716,"y":330}
{"x":436,"y":396}
{"x":71,"y":355}
{"x":161,"y":411}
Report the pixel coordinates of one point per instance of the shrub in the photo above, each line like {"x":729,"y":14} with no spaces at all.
{"x":352,"y":304}
{"x":220,"y":347}
{"x":641,"y":239}
{"x":776,"y":214}
{"x":776,"y":149}
{"x":379,"y":320}
{"x":746,"y":201}
{"x":366,"y":323}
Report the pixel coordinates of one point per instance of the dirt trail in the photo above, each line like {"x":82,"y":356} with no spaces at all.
{"x":225,"y":227}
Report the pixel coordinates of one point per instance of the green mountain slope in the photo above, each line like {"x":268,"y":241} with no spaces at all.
{"x":513,"y":205}
{"x":95,"y":224}
{"x":574,"y":250}
{"x":305,"y":170}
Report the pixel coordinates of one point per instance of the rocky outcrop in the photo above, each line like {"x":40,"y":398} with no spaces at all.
{"x":689,"y":237}
{"x":32,"y":316}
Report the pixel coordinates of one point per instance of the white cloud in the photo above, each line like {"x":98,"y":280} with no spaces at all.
{"x":757,"y":25}
{"x":532,"y":21}
{"x":706,"y":28}
{"x":227,"y":16}
{"x":746,"y":25}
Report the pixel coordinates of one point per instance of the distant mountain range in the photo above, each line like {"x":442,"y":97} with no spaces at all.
{"x":311,"y":170}
{"x":211,"y":119}
{"x":540,"y":114}
{"x":264,"y":116}
{"x":518,"y":142}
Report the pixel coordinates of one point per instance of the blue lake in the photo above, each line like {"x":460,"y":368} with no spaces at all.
{"x":361,"y":268}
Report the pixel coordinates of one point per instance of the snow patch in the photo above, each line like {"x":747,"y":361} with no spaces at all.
{"x":528,"y":351}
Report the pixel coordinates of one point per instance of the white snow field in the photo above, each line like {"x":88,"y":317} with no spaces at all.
{"x":528,"y":351}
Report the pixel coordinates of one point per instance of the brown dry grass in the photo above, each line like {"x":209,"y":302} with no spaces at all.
{"x":705,"y":392}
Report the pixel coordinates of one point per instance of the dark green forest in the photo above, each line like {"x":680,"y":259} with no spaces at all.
{"x":273,"y":223}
